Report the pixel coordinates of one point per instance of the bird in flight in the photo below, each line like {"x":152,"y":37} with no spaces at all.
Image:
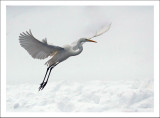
{"x":41,"y":50}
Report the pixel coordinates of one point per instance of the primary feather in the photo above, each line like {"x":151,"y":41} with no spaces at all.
{"x":36,"y":48}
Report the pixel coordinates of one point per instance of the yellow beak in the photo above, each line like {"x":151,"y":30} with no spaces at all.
{"x":91,"y":41}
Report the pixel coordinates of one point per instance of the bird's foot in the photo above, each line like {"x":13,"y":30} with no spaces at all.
{"x":42,"y":85}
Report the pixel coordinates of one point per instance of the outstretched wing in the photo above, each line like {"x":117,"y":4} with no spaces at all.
{"x":102,"y":31}
{"x":36,"y":48}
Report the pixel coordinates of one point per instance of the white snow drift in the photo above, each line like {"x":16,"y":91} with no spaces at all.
{"x":91,"y":96}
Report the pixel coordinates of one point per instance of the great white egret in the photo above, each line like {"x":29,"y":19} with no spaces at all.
{"x":41,"y":50}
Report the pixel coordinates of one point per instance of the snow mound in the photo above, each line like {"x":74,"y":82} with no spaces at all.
{"x":90,"y":96}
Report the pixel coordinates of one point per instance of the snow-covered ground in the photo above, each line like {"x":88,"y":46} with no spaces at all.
{"x":78,"y":96}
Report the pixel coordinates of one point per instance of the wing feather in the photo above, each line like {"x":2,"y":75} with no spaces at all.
{"x":36,"y":48}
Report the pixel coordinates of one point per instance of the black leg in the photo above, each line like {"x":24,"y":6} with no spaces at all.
{"x":49,"y":69}
{"x":44,"y":78}
{"x":43,"y":84}
{"x":45,"y":74}
{"x":49,"y":73}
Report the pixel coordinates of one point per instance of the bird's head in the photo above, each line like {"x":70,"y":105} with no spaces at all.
{"x":83,"y":40}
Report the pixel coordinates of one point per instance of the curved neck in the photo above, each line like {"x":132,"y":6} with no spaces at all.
{"x":79,"y":50}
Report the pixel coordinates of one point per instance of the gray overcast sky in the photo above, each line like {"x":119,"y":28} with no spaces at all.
{"x":124,"y":52}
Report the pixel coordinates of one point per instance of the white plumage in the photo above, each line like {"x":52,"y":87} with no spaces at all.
{"x":41,"y":50}
{"x":36,"y":48}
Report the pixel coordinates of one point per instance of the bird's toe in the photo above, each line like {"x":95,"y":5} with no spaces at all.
{"x":42,"y":85}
